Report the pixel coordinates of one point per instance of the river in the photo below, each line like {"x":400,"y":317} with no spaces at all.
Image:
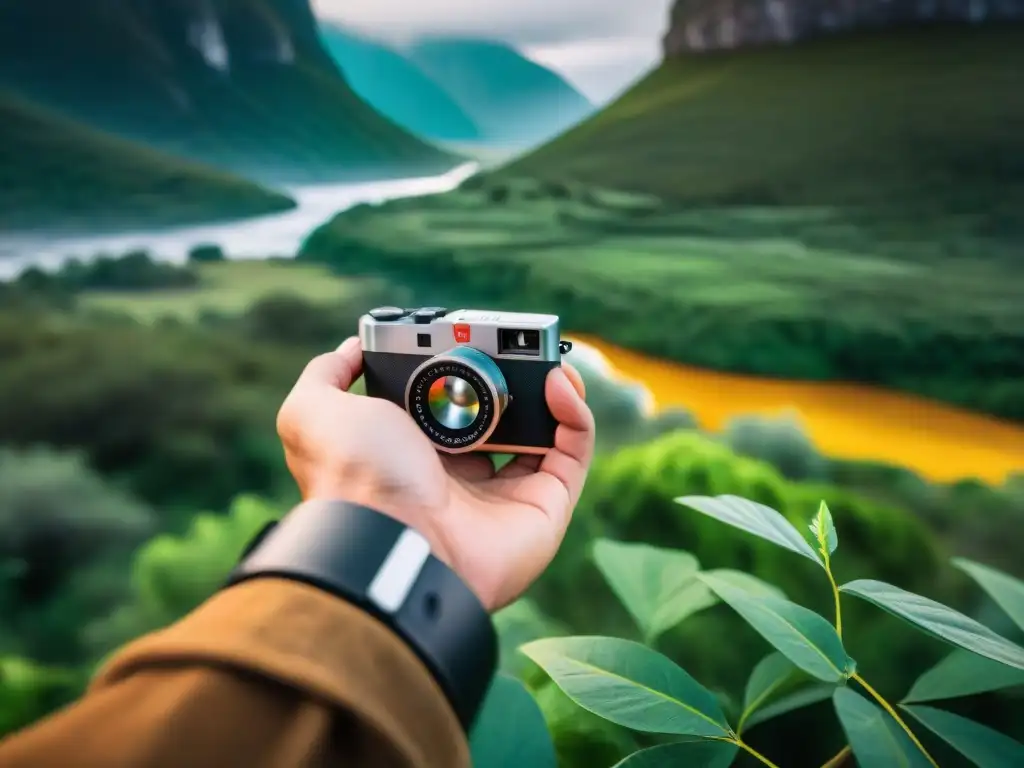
{"x":277,"y":235}
{"x":843,"y":420}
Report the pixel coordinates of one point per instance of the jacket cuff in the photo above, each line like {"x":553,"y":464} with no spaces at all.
{"x":324,"y":647}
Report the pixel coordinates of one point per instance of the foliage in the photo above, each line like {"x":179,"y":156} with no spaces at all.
{"x":184,"y":416}
{"x":635,"y":686}
{"x":29,"y":691}
{"x":64,"y":535}
{"x":202,"y":254}
{"x":781,"y":442}
{"x":171,"y":575}
{"x":134,"y":271}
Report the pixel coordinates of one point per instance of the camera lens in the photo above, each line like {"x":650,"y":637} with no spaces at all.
{"x":457,"y":398}
{"x":453,"y":402}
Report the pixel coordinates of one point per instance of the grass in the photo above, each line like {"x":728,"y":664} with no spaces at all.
{"x":908,"y":133}
{"x":229,"y":288}
{"x":56,"y":174}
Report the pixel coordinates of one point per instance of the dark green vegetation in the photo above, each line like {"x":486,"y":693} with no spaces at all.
{"x":397,"y":88}
{"x":240,"y":84}
{"x":510,"y":98}
{"x":907,"y":135}
{"x":59,"y":175}
{"x":138,"y":426}
{"x":842,"y":210}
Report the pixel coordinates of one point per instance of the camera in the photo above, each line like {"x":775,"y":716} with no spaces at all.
{"x":473,"y":380}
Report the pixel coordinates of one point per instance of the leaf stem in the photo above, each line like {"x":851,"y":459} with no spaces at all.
{"x":892,"y":712}
{"x":835,"y":593}
{"x":744,"y":746}
{"x":839,"y":758}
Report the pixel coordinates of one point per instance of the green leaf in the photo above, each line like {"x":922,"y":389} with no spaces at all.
{"x":692,"y":754}
{"x":510,"y":730}
{"x":655,"y":585}
{"x":812,"y":694}
{"x":980,"y":744}
{"x":824,"y":531}
{"x":875,"y":738}
{"x":753,"y":518}
{"x":1007,"y":591}
{"x":769,"y":677}
{"x":802,"y":636}
{"x":746,"y":582}
{"x":938,"y":620}
{"x":629,"y":684}
{"x":963,"y":674}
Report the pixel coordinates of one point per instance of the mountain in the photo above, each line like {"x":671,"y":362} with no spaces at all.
{"x":901,"y":130}
{"x":58,"y":175}
{"x":397,"y":88}
{"x":701,"y":25}
{"x":242,"y":84}
{"x":512,"y":99}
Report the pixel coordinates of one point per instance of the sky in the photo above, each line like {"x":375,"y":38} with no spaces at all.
{"x":600,"y":46}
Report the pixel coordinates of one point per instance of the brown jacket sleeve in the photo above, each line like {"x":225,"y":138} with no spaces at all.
{"x":267,"y":673}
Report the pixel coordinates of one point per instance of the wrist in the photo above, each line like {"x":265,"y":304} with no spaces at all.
{"x":387,"y":569}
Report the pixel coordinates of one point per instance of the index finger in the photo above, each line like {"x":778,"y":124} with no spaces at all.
{"x":338,"y":369}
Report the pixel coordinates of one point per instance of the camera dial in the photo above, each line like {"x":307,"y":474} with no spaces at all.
{"x":457,"y":398}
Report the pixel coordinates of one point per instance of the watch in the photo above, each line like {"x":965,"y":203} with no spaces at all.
{"x":387,"y":569}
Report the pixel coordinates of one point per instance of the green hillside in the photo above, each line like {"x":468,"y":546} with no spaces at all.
{"x":398,"y":88}
{"x":55,"y":174}
{"x":242,"y":84}
{"x":844,"y":210}
{"x":901,"y":130}
{"x":512,"y":99}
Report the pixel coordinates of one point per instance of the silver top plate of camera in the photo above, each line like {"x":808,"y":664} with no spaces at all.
{"x":434,"y":330}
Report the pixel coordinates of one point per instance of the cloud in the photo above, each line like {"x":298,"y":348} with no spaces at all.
{"x":521,"y":22}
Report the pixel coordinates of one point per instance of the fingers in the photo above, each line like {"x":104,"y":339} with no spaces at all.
{"x":553,"y":483}
{"x":575,"y":379}
{"x":574,"y":437}
{"x":336,"y":369}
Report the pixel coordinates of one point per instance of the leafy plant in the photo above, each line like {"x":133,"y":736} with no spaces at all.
{"x":631,"y":684}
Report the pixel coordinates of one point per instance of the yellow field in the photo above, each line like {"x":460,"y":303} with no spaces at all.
{"x":229,"y":287}
{"x":845,"y":421}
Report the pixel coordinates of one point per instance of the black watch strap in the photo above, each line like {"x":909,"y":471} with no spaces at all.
{"x":386,"y":568}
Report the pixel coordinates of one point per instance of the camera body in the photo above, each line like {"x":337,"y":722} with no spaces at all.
{"x":473,"y":380}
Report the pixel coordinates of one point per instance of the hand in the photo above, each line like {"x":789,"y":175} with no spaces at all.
{"x":497,"y":530}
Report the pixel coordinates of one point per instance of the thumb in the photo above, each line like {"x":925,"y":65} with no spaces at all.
{"x":336,"y":369}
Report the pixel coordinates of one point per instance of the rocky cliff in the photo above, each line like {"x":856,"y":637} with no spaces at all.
{"x":701,"y":25}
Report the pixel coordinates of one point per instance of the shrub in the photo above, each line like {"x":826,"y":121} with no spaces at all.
{"x":632,"y":685}
{"x":781,"y":442}
{"x":29,"y":691}
{"x":64,"y":533}
{"x":206,"y":253}
{"x":171,"y":575}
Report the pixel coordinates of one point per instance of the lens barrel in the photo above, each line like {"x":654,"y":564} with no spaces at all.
{"x":457,"y":398}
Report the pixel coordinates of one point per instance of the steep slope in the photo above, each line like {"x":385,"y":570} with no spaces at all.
{"x":512,"y":99}
{"x":905,"y":131}
{"x":396,"y":87}
{"x":243,"y":84}
{"x":57,"y":175}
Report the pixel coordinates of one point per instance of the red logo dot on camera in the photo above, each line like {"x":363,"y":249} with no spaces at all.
{"x":461,"y":331}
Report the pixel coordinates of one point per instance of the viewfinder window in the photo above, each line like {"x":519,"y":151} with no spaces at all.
{"x":516,"y":341}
